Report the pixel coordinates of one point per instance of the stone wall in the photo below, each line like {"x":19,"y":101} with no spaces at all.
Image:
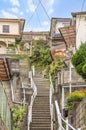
{"x":81,"y":115}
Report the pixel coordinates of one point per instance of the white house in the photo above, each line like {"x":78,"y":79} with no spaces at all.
{"x":80,"y":18}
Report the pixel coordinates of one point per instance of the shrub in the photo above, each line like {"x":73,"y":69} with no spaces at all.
{"x":18,"y":115}
{"x":73,"y":98}
{"x":79,"y":60}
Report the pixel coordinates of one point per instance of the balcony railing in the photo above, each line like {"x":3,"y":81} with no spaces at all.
{"x":8,"y":51}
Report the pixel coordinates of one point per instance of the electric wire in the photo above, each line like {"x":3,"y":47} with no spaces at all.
{"x":45,"y":10}
{"x":33,"y":14}
{"x":37,"y":15}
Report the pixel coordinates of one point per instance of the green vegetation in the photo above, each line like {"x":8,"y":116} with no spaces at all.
{"x":74,"y":98}
{"x":79,"y":60}
{"x":41,"y":58}
{"x":18,"y":116}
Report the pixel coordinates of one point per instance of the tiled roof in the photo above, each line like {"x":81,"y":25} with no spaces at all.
{"x":69,"y":35}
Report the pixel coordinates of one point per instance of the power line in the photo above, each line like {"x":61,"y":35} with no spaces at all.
{"x":33,"y":14}
{"x":44,"y":10}
{"x":37,"y":15}
{"x":82,"y":5}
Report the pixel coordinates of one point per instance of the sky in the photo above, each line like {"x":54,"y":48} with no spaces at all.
{"x":38,"y":16}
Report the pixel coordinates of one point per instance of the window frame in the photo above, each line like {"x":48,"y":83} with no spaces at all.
{"x":6,"y":29}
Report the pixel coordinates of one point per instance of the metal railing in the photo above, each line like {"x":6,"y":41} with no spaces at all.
{"x":69,"y":75}
{"x":33,"y":86}
{"x":61,"y":120}
{"x":8,"y":51}
{"x":5,"y":111}
{"x":51,"y":103}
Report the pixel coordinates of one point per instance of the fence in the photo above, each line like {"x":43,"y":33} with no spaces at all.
{"x":5,"y":112}
{"x":69,"y":75}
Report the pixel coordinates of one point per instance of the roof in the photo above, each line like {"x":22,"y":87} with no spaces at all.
{"x":78,"y":13}
{"x":12,"y":19}
{"x":36,"y":33}
{"x":69,"y":35}
{"x":9,"y":35}
{"x":61,"y":19}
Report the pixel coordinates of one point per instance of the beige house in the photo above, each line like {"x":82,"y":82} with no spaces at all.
{"x":10,"y":31}
{"x":29,"y":36}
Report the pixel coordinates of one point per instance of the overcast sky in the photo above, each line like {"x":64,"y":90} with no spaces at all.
{"x":34,"y":14}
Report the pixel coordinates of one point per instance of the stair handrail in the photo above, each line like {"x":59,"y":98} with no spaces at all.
{"x":60,"y":119}
{"x":51,"y":102}
{"x":33,"y":86}
{"x":33,"y":70}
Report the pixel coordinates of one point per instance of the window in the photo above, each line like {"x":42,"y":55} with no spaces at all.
{"x":6,"y":28}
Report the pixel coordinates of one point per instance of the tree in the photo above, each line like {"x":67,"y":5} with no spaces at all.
{"x":41,"y":56}
{"x":79,"y":60}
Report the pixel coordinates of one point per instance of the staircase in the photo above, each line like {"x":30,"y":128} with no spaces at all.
{"x":41,"y":119}
{"x":3,"y":70}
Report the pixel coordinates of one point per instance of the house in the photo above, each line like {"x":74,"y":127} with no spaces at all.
{"x":10,"y":31}
{"x":55,"y":35}
{"x":56,"y":40}
{"x":29,"y":36}
{"x":80,"y":19}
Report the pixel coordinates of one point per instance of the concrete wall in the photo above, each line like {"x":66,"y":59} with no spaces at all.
{"x":80,"y":29}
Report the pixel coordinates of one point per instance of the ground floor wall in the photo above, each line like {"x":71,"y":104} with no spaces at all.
{"x":7,"y":41}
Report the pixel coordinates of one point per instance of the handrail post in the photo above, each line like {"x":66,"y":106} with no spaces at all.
{"x":33,"y":70}
{"x":66,"y":123}
{"x":58,"y":115}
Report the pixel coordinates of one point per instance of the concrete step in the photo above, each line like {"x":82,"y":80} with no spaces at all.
{"x":40,"y":128}
{"x":41,"y":119}
{"x":42,"y":97}
{"x":40,"y":106}
{"x":38,"y":124}
{"x":41,"y":102}
{"x":41,"y":114}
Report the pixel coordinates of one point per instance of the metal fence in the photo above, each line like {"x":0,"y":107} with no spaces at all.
{"x":5,"y":112}
{"x":69,"y":75}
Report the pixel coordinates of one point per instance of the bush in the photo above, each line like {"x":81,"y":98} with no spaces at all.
{"x":18,"y":115}
{"x":74,"y":97}
{"x":79,"y":60}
